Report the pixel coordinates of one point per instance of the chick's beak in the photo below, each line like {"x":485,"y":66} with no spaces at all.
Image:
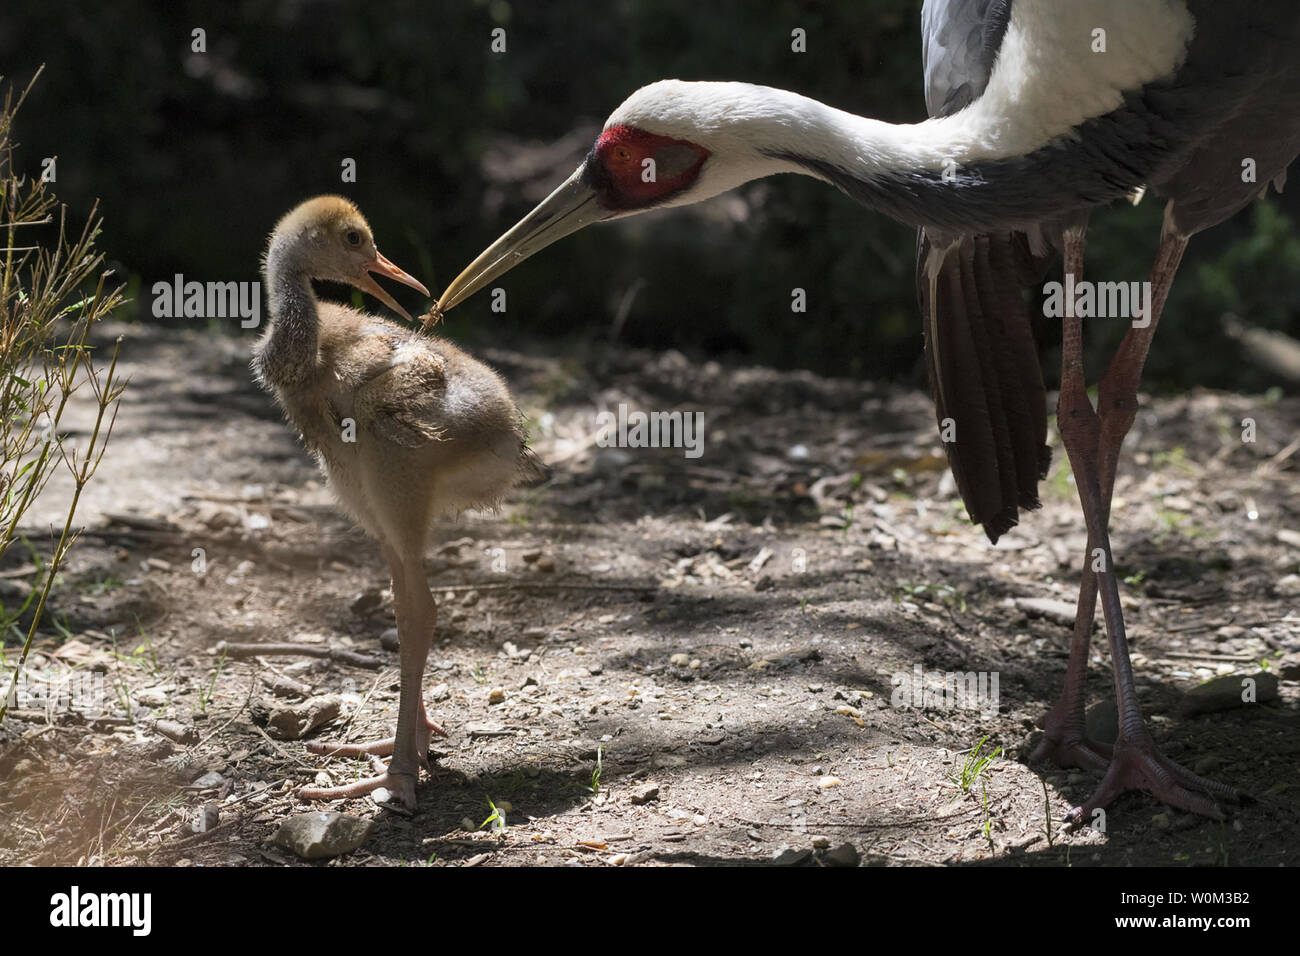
{"x":565,"y":211}
{"x":382,"y":266}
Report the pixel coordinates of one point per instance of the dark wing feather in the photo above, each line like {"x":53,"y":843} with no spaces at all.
{"x":980,"y":351}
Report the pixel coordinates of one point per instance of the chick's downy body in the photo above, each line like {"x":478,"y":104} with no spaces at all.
{"x":405,"y":425}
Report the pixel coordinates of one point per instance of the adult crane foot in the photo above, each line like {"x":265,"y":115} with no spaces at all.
{"x":1140,"y":766}
{"x":1066,"y":743}
{"x":400,"y":785}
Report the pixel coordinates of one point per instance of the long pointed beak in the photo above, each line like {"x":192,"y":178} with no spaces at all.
{"x":565,"y":211}
{"x":382,"y":266}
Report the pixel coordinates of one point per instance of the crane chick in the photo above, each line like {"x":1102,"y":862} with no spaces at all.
{"x":405,"y":426}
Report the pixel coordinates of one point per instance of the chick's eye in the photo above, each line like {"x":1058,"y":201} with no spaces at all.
{"x":354,"y":237}
{"x":622,"y":154}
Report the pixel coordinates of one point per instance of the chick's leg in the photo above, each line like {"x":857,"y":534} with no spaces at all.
{"x":409,"y":747}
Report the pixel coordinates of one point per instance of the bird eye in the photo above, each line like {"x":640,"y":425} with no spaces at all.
{"x":622,"y":154}
{"x":354,"y":237}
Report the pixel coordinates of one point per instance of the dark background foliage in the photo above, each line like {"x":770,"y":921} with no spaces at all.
{"x":194,"y":156}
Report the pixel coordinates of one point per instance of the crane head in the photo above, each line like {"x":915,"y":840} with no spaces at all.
{"x":335,"y":243}
{"x":648,"y":155}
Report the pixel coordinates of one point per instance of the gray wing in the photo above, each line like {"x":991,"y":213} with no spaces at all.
{"x":959,"y":44}
{"x":979,"y":343}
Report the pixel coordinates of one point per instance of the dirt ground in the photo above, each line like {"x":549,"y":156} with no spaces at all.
{"x":653,"y":659}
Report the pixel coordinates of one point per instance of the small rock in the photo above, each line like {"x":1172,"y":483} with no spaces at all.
{"x":531,"y":556}
{"x":497,"y":696}
{"x":151,"y":698}
{"x":1161,"y":820}
{"x":1225,"y":693}
{"x":846,"y":854}
{"x":545,"y":563}
{"x":315,"y":836}
{"x":680,"y":660}
{"x":1288,"y":586}
{"x":645,"y":793}
{"x":668,"y":760}
{"x":158,"y":564}
{"x":209,"y":779}
{"x":791,"y":857}
{"x":217,"y":518}
{"x":294,"y":721}
{"x":367,"y":601}
{"x":389,"y":640}
{"x":825,"y":783}
{"x":1287,"y":536}
{"x":821,"y":843}
{"x":1102,"y":721}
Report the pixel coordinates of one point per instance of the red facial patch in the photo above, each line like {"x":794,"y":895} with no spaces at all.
{"x":630,"y":168}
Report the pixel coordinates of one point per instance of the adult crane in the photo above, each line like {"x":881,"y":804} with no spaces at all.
{"x":1040,"y":110}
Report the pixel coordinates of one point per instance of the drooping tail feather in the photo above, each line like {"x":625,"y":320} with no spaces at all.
{"x":984,"y":372}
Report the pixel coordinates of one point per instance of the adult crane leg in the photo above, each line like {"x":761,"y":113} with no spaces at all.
{"x":417,"y":616}
{"x":1093,"y":440}
{"x":1065,"y":738}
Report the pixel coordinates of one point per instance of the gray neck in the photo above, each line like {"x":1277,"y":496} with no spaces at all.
{"x":288,"y":351}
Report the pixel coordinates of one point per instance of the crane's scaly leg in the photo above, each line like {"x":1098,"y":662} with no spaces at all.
{"x":1093,"y":441}
{"x":1065,"y":738}
{"x":1136,"y":763}
{"x":409,"y":747}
